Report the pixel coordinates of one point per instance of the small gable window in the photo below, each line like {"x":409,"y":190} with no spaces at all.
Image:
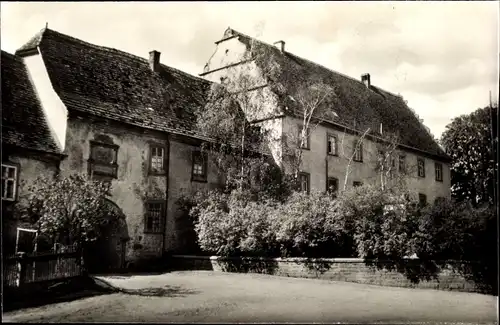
{"x":9,"y":182}
{"x":332,"y":144}
{"x":402,"y":163}
{"x":157,"y":159}
{"x":103,"y":160}
{"x":421,"y":167}
{"x":199,"y":168}
{"x":358,"y":151}
{"x":439,"y":172}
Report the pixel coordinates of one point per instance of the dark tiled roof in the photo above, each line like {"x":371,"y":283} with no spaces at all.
{"x":23,"y":121}
{"x":113,"y":84}
{"x":355,"y":105}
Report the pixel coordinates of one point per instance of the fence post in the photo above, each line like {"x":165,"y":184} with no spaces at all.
{"x":21,"y":268}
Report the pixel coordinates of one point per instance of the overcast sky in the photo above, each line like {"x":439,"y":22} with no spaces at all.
{"x":440,"y":56}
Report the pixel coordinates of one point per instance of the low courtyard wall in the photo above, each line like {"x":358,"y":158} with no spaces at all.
{"x":410,"y":273}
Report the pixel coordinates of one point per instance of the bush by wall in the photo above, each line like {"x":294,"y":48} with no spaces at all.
{"x":364,"y":222}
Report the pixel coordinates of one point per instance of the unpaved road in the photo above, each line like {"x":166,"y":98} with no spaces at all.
{"x":205,"y":296}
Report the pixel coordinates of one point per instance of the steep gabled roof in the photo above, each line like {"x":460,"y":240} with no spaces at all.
{"x":354,"y":105}
{"x":114,"y":84}
{"x":23,"y":120}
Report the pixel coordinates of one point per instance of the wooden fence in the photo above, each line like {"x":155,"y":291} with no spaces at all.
{"x":23,"y":269}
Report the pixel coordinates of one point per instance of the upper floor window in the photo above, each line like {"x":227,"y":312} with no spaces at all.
{"x":199,"y":168}
{"x":332,"y":144}
{"x":157,"y":159}
{"x":358,"y":150}
{"x":304,"y":179}
{"x":439,"y":172}
{"x":421,"y":167}
{"x":103,"y":160}
{"x":303,"y":138}
{"x":154,"y":216}
{"x":9,"y":182}
{"x":332,"y":185}
{"x":402,"y":163}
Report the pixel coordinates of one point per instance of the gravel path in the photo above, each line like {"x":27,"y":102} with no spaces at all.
{"x":206,"y":296}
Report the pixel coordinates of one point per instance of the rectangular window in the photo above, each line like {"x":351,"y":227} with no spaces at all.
{"x":103,"y":160}
{"x":332,"y":185}
{"x":421,"y":167}
{"x":154,"y":217}
{"x":357,"y":184}
{"x":422,"y":199}
{"x":9,"y":182}
{"x":332,"y":145}
{"x":300,"y":135}
{"x":199,"y":168}
{"x":157,"y":159}
{"x":402,"y":163}
{"x":358,"y":151}
{"x":439,"y":200}
{"x":304,"y":182}
{"x":439,"y":172}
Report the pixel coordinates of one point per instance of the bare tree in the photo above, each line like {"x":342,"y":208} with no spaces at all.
{"x":311,"y":104}
{"x":226,"y":118}
{"x":356,"y":149}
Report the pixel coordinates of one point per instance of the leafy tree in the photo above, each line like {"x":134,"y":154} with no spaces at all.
{"x":468,"y":140}
{"x":70,"y":210}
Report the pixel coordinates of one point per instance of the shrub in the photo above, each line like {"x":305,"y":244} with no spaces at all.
{"x":310,"y":225}
{"x":379,"y":221}
{"x":459,"y":231}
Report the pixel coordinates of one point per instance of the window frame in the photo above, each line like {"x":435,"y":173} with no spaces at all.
{"x":421,"y":160}
{"x":422,"y":199}
{"x":91,"y":163}
{"x":161,"y":228}
{"x":16,"y":180}
{"x":153,"y":171}
{"x":402,"y":167}
{"x":308,"y":176}
{"x":360,"y":151}
{"x":202,"y":178}
{"x":335,"y":137}
{"x":436,"y":165}
{"x":308,"y":137}
{"x":336,"y":180}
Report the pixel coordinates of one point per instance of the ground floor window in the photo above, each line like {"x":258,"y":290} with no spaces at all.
{"x":154,"y":216}
{"x":304,"y":179}
{"x":332,"y":185}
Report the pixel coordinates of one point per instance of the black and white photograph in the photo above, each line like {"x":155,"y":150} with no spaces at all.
{"x":250,"y":162}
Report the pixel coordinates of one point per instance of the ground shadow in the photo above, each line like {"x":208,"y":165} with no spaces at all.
{"x":415,"y":270}
{"x":317,"y":265}
{"x":166,"y":291}
{"x":40,"y":294}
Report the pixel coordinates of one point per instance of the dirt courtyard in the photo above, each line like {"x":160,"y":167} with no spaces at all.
{"x":206,"y":296}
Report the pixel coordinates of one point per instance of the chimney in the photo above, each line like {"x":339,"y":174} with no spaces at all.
{"x":280,"y":45}
{"x":365,"y":78}
{"x":154,"y":60}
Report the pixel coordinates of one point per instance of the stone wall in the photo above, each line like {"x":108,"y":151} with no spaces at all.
{"x":335,"y":269}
